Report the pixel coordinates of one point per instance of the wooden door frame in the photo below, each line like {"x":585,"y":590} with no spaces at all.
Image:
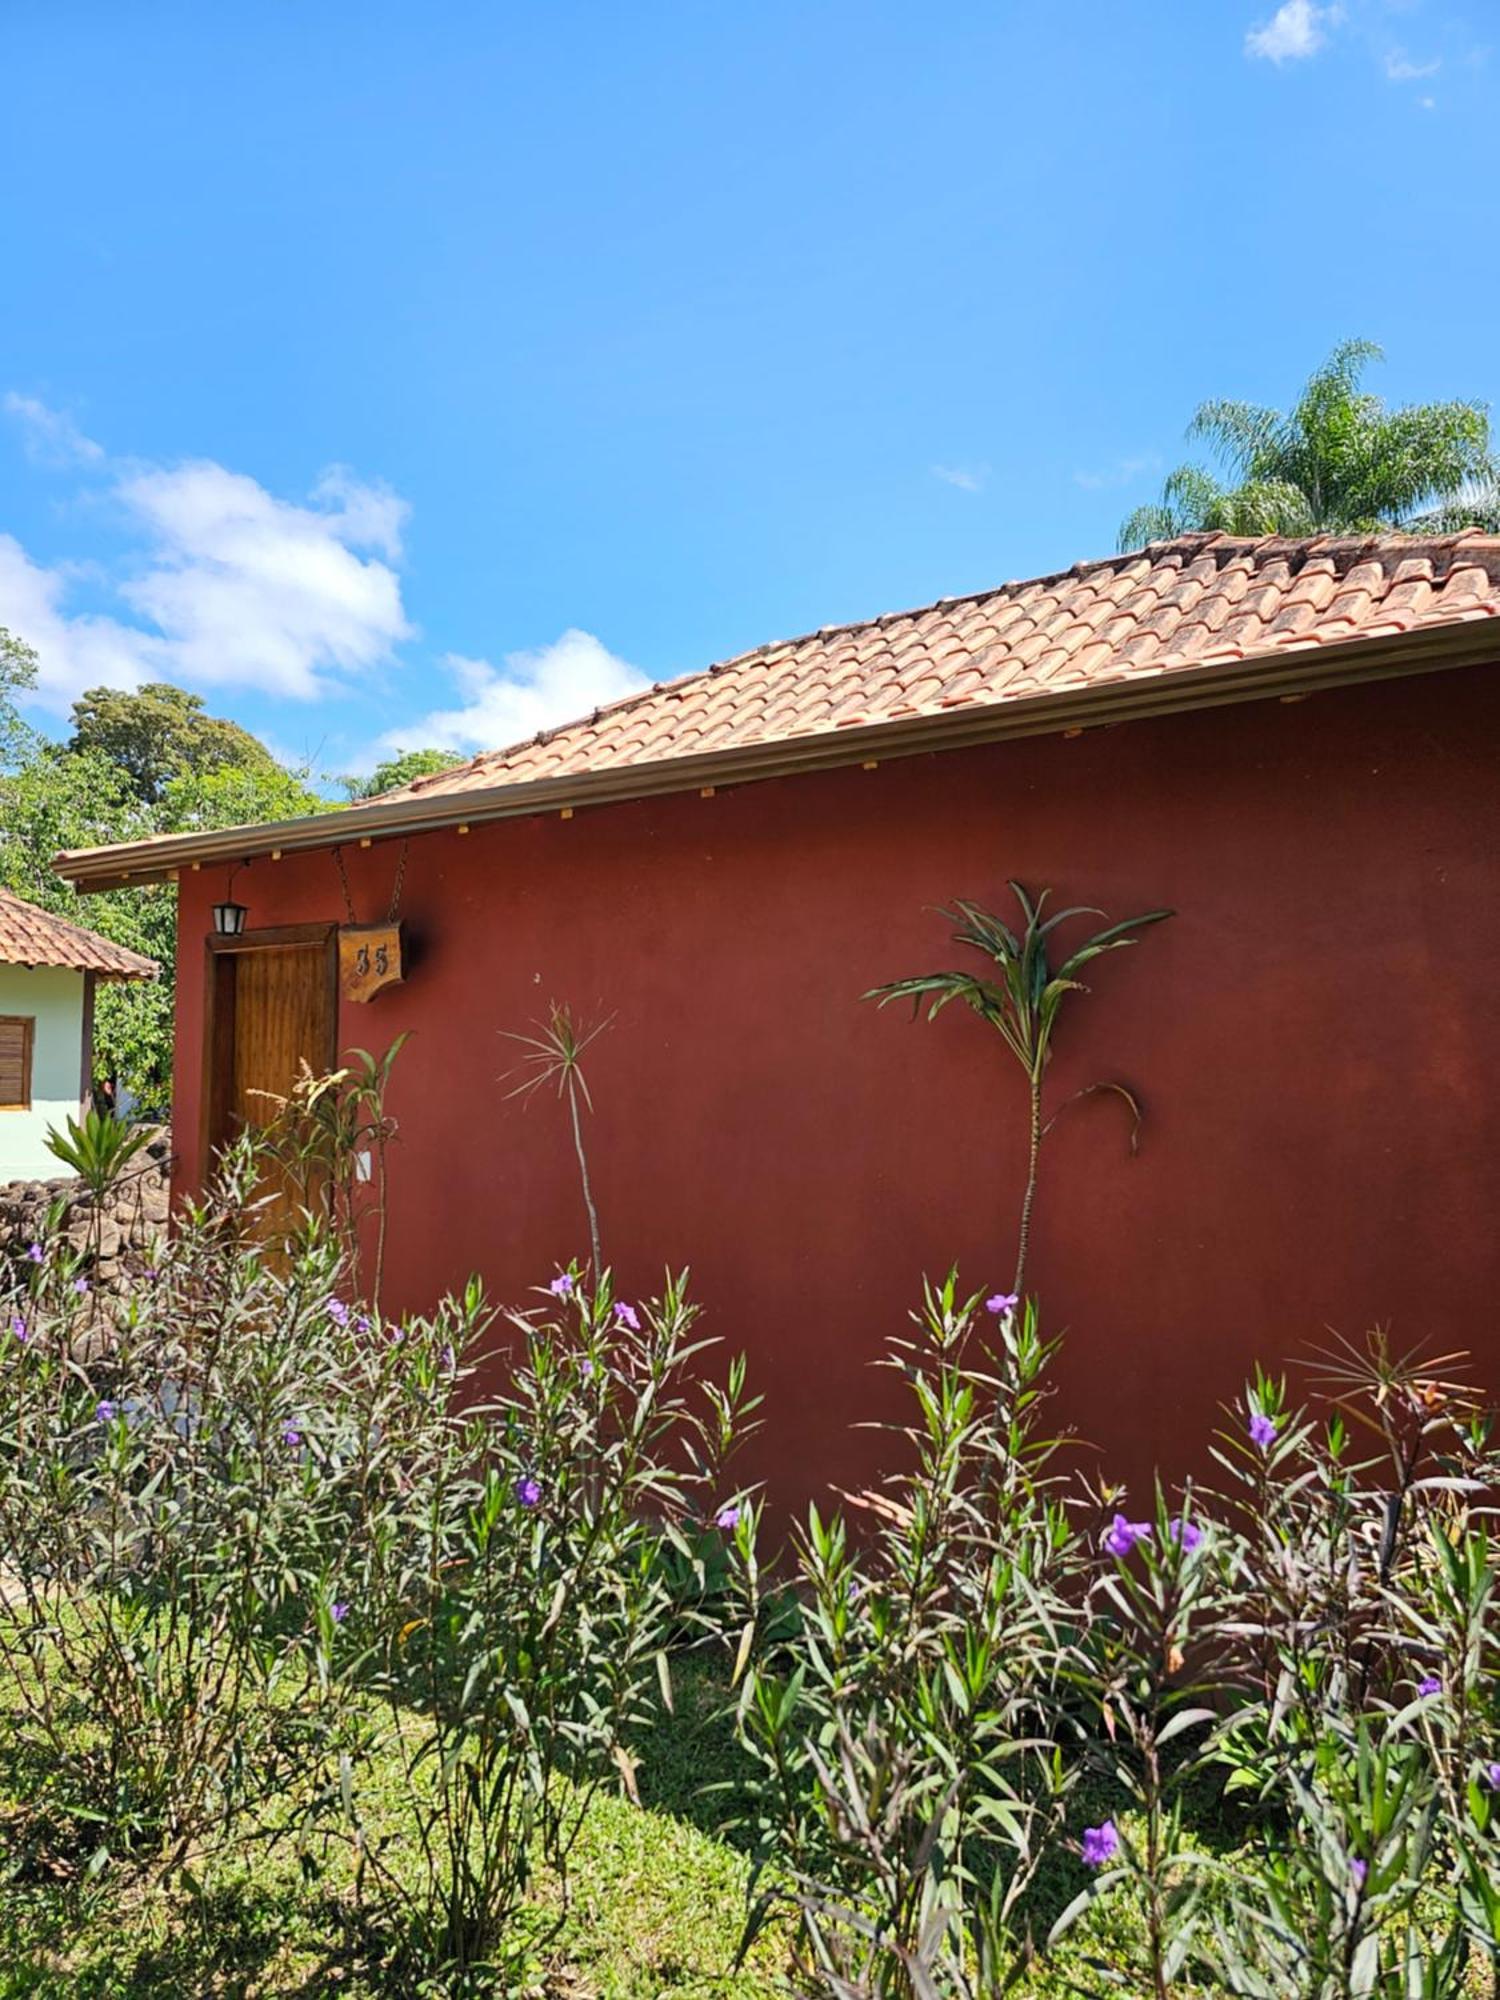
{"x":218,"y":1014}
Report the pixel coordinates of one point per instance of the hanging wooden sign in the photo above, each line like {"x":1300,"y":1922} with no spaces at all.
{"x":369,"y":959}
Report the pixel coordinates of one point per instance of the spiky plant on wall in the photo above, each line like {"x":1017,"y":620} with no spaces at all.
{"x":1022,"y":1004}
{"x":554,"y":1056}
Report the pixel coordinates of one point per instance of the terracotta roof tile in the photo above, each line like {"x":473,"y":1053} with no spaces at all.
{"x":1192,"y":603}
{"x":31,"y":937}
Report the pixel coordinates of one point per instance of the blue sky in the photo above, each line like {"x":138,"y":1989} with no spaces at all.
{"x":397,"y":373}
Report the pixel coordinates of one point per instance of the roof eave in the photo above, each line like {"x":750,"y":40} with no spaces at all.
{"x":1290,"y":670}
{"x":147,"y":969}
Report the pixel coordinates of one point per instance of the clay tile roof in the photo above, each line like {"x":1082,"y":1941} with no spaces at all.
{"x":1188,"y":603}
{"x":30,"y":937}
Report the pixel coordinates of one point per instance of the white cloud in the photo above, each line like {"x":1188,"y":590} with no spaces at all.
{"x":373,"y":516}
{"x":74,"y":651}
{"x":225,"y":583}
{"x":247,"y":588}
{"x":1296,"y":30}
{"x":1124,"y":472}
{"x":530,"y":691}
{"x":50,"y":437}
{"x":967,"y":478}
{"x":1401,"y":69}
{"x":1428,"y":103}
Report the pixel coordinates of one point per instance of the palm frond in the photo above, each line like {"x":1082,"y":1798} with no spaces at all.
{"x":1191,"y":499}
{"x":1237,"y":432}
{"x":1267,"y":507}
{"x":1476,"y":505}
{"x":1155,"y":522}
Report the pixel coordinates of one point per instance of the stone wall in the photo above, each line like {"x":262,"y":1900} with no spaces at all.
{"x":135,"y":1212}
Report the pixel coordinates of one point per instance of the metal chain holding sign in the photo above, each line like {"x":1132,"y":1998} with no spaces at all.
{"x":395,"y":910}
{"x":338,"y":860}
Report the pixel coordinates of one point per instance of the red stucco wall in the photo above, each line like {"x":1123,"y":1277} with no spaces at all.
{"x":1313,"y":1038}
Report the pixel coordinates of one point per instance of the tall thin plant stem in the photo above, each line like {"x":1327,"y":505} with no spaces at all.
{"x":554,"y":1055}
{"x":1028,"y":1199}
{"x":583,"y":1174}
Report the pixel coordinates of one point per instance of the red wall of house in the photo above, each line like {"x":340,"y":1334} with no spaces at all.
{"x":1313,"y":1038}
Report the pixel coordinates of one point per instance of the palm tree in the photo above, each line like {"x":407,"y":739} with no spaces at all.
{"x":1339,"y":461}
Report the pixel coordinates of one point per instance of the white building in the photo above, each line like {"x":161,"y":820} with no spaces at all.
{"x":49,"y":969}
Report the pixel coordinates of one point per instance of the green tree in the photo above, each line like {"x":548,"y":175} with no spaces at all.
{"x":62,"y":797}
{"x":17,"y":676}
{"x":158,"y":732}
{"x":1338,"y":461}
{"x":396,"y":771}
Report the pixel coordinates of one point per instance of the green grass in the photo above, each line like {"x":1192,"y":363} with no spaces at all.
{"x":654,"y":1909}
{"x":655,"y":1904}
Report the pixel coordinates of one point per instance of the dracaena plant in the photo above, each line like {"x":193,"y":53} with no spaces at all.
{"x":1022,"y":1002}
{"x":554,"y":1060}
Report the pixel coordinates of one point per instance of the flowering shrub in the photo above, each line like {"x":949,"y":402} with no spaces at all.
{"x":905,"y":1728}
{"x":189,"y":1481}
{"x":519,"y":1622}
{"x":1319,"y":1638}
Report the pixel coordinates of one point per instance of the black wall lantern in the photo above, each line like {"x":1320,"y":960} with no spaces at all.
{"x":229,"y":916}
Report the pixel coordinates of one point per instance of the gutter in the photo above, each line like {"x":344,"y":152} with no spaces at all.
{"x":1288,"y":673}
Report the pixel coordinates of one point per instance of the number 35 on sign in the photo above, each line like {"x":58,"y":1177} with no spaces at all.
{"x":369,"y":959}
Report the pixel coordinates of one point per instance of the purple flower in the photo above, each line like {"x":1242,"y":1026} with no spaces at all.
{"x":1100,"y":1844}
{"x":561,"y":1286}
{"x":1121,"y":1536}
{"x":19,"y":1327}
{"x":105,"y":1411}
{"x":528,"y":1491}
{"x":585,"y":1368}
{"x":35,"y":1252}
{"x":152,"y":1274}
{"x":628,"y":1317}
{"x":1186,"y":1533}
{"x":1429,"y":1684}
{"x":1492,"y":1777}
{"x":727,"y":1518}
{"x":1358,"y":1870}
{"x":338,"y":1611}
{"x":338,"y":1312}
{"x":450,"y":1359}
{"x":362,"y":1323}
{"x":1262,"y":1430}
{"x":1002,"y":1303}
{"x":80,"y":1285}
{"x":291,"y":1437}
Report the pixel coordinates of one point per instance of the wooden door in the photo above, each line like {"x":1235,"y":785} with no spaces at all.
{"x":272,"y":1006}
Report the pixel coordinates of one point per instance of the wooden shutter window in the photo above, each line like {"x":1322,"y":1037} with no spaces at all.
{"x":16,"y":1031}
